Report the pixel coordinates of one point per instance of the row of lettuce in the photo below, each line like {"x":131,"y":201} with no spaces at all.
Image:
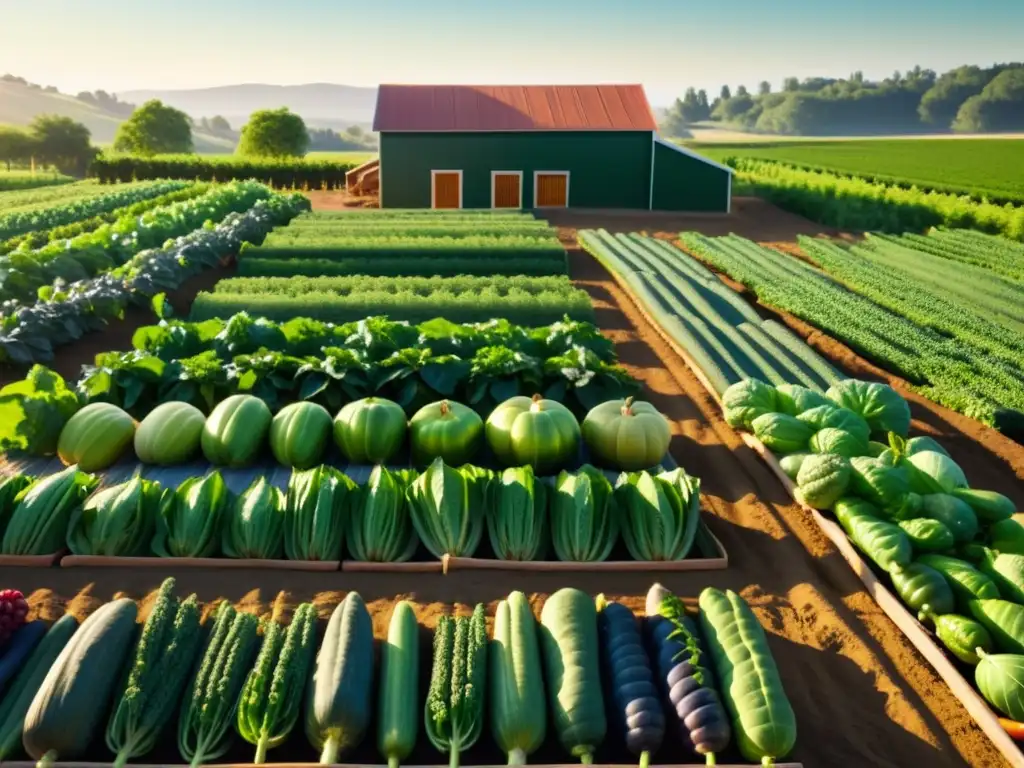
{"x":588,"y":676}
{"x":954,"y":554}
{"x":202,"y":364}
{"x":163,"y":247}
{"x":396,"y":516}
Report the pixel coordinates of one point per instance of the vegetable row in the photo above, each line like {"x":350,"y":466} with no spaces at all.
{"x":588,"y":673}
{"x":30,"y":333}
{"x":339,"y":300}
{"x":722,"y":333}
{"x":28,"y":273}
{"x":19,"y":222}
{"x":578,"y":516}
{"x":954,"y":554}
{"x":540,"y":433}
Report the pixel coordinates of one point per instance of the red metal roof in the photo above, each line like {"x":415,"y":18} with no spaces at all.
{"x":513,"y":108}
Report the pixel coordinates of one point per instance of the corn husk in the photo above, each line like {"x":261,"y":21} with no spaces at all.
{"x":254,"y":527}
{"x":517,"y":515}
{"x":118,"y":521}
{"x":584,"y":520}
{"x":190,"y":519}
{"x":317,"y":506}
{"x":659,"y":514}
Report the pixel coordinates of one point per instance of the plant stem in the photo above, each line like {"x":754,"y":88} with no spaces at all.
{"x":330,"y":752}
{"x":261,"y":750}
{"x":587,"y":758}
{"x":517,"y":757}
{"x":453,"y":757}
{"x":645,"y":759}
{"x":48,"y":759}
{"x":393,"y":762}
{"x":711,"y":759}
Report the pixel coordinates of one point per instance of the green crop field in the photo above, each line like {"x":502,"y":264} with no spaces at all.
{"x":979,"y":167}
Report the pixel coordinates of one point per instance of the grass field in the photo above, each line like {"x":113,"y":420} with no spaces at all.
{"x":25,"y":179}
{"x":979,"y":167}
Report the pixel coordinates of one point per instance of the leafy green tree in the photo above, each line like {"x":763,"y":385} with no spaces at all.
{"x":153,"y":129}
{"x":219,"y":125}
{"x":274,"y":133}
{"x":62,"y":142}
{"x":16,"y":145}
{"x":702,"y":104}
{"x":999,"y":107}
{"x":764,"y":88}
{"x":940,"y":103}
{"x":791,"y":84}
{"x":725,"y":93}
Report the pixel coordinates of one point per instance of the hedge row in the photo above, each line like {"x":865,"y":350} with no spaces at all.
{"x":279,"y":173}
{"x":286,"y":266}
{"x":342,"y":286}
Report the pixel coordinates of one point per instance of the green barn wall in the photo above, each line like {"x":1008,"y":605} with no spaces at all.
{"x":608,"y":169}
{"x":686,"y":183}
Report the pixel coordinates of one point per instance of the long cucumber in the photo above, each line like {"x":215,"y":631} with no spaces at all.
{"x":518,"y":714}
{"x":398,"y":715}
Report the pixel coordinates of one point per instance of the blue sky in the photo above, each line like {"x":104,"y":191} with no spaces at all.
{"x":665,"y":44}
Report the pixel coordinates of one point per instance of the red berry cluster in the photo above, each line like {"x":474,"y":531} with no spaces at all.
{"x":13,"y":610}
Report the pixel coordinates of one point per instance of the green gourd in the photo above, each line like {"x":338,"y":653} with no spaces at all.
{"x":918,"y":585}
{"x":961,"y":636}
{"x":927,"y":535}
{"x":762,"y":717}
{"x":569,"y":646}
{"x":1004,"y":621}
{"x":885,"y":543}
{"x":966,"y":581}
{"x":1006,"y":570}
{"x":398,"y":718}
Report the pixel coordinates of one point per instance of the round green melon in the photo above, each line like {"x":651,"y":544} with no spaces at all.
{"x":371,"y":430}
{"x":169,"y":434}
{"x":447,"y":429}
{"x":299,"y":434}
{"x":533,"y":431}
{"x":95,"y":437}
{"x":235,"y":431}
{"x":625,"y":435}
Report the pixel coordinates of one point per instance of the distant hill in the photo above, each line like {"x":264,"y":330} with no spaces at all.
{"x":19,"y":104}
{"x":321,"y":105}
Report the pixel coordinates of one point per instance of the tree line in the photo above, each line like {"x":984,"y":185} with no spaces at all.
{"x":156,"y":128}
{"x":967,"y":99}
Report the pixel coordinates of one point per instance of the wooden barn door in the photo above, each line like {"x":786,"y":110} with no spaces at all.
{"x":507,"y":192}
{"x":552,"y":190}
{"x":447,"y":192}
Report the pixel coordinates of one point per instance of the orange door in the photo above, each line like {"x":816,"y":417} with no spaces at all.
{"x":506,"y":190}
{"x":552,"y":190}
{"x":446,"y":190}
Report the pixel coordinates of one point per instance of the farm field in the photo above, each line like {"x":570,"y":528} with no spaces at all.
{"x":978,"y":167}
{"x":26,"y":179}
{"x":924,"y":335}
{"x":834,"y":649}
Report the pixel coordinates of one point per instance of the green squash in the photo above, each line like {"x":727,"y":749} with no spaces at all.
{"x":989,"y":506}
{"x":1004,"y":621}
{"x":822,"y":480}
{"x":542,"y":434}
{"x":299,"y":435}
{"x":95,"y":437}
{"x":966,"y":581}
{"x":927,"y":535}
{"x":371,"y":430}
{"x":1006,"y":570}
{"x":963,"y":637}
{"x":1008,"y":535}
{"x":235,"y":431}
{"x":626,"y":435}
{"x":880,"y":540}
{"x":170,"y":434}
{"x":918,"y":586}
{"x":781,"y":433}
{"x":951,"y":512}
{"x":791,"y":464}
{"x":449,"y":430}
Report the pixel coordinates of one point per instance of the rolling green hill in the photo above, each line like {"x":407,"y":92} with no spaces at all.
{"x":19,"y":104}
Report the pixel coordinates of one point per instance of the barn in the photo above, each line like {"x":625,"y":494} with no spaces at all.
{"x":536,"y":146}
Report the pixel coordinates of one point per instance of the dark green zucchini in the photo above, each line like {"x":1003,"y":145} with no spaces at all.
{"x":918,"y":585}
